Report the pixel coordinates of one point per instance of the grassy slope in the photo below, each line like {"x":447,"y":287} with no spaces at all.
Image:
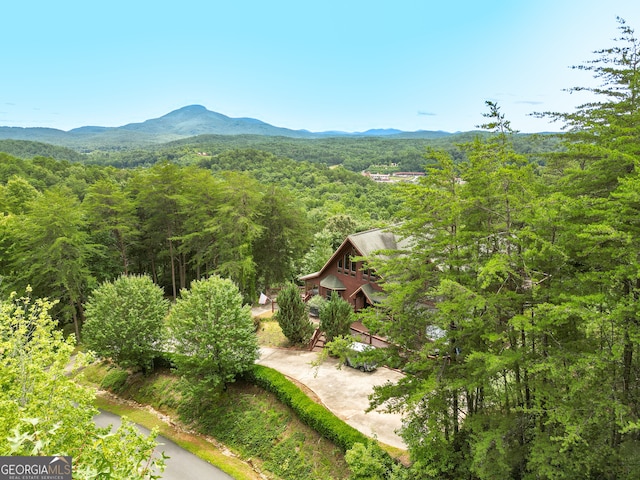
{"x":264,"y":435}
{"x":197,"y":444}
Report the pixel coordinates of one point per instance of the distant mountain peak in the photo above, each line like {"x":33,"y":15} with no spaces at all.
{"x":193,"y":108}
{"x":190,"y":110}
{"x":197,"y":120}
{"x":187,"y":121}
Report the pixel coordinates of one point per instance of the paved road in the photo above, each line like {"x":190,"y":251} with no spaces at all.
{"x":181,"y":465}
{"x":345,"y":392}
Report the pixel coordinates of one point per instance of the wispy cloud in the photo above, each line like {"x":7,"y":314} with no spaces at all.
{"x":530,"y":102}
{"x":426,"y":114}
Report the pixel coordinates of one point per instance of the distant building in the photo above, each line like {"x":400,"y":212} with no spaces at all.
{"x":394,"y":177}
{"x":351,"y":279}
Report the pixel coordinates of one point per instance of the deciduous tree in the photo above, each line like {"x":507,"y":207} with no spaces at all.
{"x":125,"y":321}
{"x":43,"y":411}
{"x":213,"y":334}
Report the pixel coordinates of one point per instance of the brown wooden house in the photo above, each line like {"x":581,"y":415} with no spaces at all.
{"x":355,"y":283}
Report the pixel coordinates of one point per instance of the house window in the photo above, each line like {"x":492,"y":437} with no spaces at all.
{"x":369,"y":274}
{"x":329,"y":292}
{"x":345,"y":261}
{"x":352,"y":264}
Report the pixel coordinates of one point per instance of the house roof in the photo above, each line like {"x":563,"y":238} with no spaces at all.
{"x":366,"y":244}
{"x":371,"y":241}
{"x":309,"y":276}
{"x":332,"y":283}
{"x":372,"y":295}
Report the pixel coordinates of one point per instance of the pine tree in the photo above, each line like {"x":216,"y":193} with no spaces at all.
{"x":293,"y":315}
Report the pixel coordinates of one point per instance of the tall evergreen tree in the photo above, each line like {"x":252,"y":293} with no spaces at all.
{"x":293,"y":315}
{"x":530,"y":295}
{"x":457,"y":298}
{"x":111,"y":214}
{"x":158,"y":193}
{"x":51,"y":251}
{"x":238,"y":228}
{"x":284,"y":237}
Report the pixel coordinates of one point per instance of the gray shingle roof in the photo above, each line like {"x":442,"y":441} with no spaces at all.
{"x":371,"y":241}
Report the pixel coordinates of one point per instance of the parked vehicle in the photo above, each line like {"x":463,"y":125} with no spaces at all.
{"x":357,"y":357}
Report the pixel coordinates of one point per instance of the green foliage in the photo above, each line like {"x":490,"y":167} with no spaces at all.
{"x":337,"y":348}
{"x":213,"y":336}
{"x":28,"y":149}
{"x":311,"y":413}
{"x":339,"y":227}
{"x":369,"y":462}
{"x":111,"y":215}
{"x":293,"y":315}
{"x":244,"y":423}
{"x":247,"y":419}
{"x":51,"y":251}
{"x":16,"y":195}
{"x":354,"y":153}
{"x":44,"y":411}
{"x":115,"y":380}
{"x":514,"y":311}
{"x":238,"y":228}
{"x":316,"y":301}
{"x":320,"y":251}
{"x":249,"y":216}
{"x":284,"y":237}
{"x":287,"y":461}
{"x":336,"y":317}
{"x":125,"y":321}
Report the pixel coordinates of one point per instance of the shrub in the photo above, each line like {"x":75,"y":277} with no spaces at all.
{"x":125,"y":321}
{"x":316,"y":416}
{"x":336,"y":317}
{"x":115,"y":380}
{"x":315,"y":303}
{"x":293,"y":315}
{"x":368,"y":462}
{"x":213,"y":337}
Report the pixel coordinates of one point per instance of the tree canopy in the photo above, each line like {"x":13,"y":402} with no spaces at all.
{"x":515,"y":311}
{"x":125,"y":321}
{"x":44,"y":411}
{"x":213,"y":335}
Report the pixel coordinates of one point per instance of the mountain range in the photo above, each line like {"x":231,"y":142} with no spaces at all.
{"x":185,"y":122}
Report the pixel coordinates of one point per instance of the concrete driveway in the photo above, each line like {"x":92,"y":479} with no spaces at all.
{"x":345,"y":392}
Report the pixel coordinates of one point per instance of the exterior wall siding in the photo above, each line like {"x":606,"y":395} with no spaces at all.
{"x":343,"y":272}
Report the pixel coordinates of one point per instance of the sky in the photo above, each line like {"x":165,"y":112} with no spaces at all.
{"x":347,"y":65}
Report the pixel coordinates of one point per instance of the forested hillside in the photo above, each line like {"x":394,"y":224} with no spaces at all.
{"x":353,"y":153}
{"x":246,"y":215}
{"x":516,"y":311}
{"x":396,"y":153}
{"x":29,"y":149}
{"x":514,"y":314}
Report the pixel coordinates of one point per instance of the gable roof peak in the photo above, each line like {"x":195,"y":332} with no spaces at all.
{"x":370,"y":241}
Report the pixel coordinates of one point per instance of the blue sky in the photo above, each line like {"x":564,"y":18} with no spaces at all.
{"x":346,"y":65}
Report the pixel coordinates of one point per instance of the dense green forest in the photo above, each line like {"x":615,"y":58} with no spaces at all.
{"x":353,"y":153}
{"x":516,"y":312}
{"x":524,"y":260}
{"x":246,"y":215}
